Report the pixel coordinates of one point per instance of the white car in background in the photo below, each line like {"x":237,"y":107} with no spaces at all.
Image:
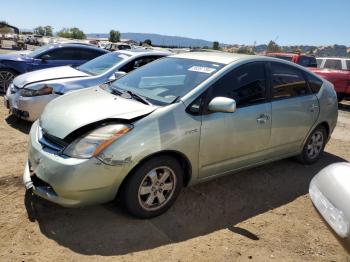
{"x":29,"y":93}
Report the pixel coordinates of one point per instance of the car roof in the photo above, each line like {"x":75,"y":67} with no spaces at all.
{"x":337,"y":58}
{"x":216,"y":57}
{"x":81,"y":45}
{"x":141,"y":52}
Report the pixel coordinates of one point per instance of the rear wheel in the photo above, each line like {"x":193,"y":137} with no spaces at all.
{"x":314,"y":146}
{"x":6,"y":77}
{"x":153,"y":187}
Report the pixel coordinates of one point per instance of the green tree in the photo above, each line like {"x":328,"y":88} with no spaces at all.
{"x":216,"y":45}
{"x":114,"y":36}
{"x":273,"y":47}
{"x":148,"y":42}
{"x":245,"y":50}
{"x":48,"y":30}
{"x":73,"y":32}
{"x":39,"y":30}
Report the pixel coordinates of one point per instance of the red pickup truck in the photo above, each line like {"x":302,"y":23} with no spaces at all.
{"x":336,"y":71}
{"x":298,"y":58}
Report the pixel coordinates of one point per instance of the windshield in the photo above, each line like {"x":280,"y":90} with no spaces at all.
{"x":102,"y":63}
{"x":163,"y":81}
{"x":39,"y":50}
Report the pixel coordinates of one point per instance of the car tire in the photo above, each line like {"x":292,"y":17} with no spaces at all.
{"x":314,"y":146}
{"x":153,"y":187}
{"x":6,"y":77}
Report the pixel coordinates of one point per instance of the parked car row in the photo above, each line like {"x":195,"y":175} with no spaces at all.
{"x":335,"y":70}
{"x":29,"y":93}
{"x":121,"y":127}
{"x":46,"y":56}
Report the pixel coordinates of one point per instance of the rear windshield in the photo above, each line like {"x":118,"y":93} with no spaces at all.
{"x":163,"y":81}
{"x":102,"y":64}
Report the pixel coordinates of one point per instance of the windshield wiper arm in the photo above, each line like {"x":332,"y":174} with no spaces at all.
{"x":138,"y":97}
{"x":129,"y":95}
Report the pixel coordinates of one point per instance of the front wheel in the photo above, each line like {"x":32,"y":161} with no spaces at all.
{"x":314,"y":146}
{"x":153,"y":187}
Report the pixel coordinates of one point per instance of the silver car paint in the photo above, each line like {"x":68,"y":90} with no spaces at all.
{"x":202,"y":140}
{"x":334,"y":183}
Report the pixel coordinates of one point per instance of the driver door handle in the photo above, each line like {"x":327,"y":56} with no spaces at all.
{"x":263,"y":118}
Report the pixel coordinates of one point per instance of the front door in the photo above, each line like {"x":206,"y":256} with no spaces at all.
{"x":231,"y":141}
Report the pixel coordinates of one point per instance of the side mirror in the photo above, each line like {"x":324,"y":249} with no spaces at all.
{"x":116,"y":75}
{"x":44,"y":58}
{"x":330,"y":194}
{"x":222,"y":104}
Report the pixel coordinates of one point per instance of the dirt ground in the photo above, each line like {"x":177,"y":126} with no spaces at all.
{"x":257,"y":215}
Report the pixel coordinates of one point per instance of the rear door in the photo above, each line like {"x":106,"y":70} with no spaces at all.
{"x":233,"y":140}
{"x":294,"y":108}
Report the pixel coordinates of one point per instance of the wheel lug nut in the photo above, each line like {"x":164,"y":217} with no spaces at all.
{"x":161,"y":184}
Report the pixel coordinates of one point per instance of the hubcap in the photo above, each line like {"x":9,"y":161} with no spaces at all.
{"x":6,"y":78}
{"x":157,"y":188}
{"x":315,"y":145}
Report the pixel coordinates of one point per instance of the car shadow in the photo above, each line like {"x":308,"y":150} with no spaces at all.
{"x":18,"y":124}
{"x":202,"y":209}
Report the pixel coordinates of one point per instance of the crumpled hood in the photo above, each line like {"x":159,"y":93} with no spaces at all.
{"x":69,"y":112}
{"x":53,"y":73}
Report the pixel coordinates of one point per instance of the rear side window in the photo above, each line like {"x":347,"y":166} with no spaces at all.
{"x":333,"y":64}
{"x":246,"y":84}
{"x":287,"y":81}
{"x":314,"y":83}
{"x":86,"y":54}
{"x":307,"y":61}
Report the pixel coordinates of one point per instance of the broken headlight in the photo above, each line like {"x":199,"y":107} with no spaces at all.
{"x":96,"y":141}
{"x":45,"y":90}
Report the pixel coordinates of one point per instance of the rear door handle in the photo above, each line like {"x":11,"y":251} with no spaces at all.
{"x":262,"y":119}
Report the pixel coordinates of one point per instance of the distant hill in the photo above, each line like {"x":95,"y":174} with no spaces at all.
{"x":157,"y":39}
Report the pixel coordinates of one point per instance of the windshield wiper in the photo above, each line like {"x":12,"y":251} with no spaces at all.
{"x":138,"y":97}
{"x":128,"y":94}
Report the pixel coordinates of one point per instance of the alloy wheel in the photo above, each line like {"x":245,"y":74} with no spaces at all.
{"x":6,"y":78}
{"x":315,"y":145}
{"x":157,"y":188}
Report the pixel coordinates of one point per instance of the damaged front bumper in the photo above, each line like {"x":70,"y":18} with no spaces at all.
{"x":69,"y":181}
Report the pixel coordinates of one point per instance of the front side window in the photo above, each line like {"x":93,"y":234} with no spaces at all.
{"x":246,"y":85}
{"x":333,"y":64}
{"x":167,"y":79}
{"x":102,"y":64}
{"x":63,"y":53}
{"x":287,"y":81}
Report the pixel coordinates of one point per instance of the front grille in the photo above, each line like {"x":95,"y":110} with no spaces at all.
{"x":49,"y":141}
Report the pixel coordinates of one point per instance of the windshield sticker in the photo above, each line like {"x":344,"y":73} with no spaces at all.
{"x":202,"y":69}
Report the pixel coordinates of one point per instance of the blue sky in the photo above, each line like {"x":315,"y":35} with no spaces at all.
{"x":313,"y":22}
